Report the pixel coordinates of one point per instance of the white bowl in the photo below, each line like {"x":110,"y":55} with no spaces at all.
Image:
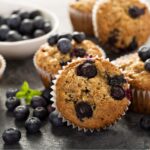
{"x":23,"y":49}
{"x":2,"y":66}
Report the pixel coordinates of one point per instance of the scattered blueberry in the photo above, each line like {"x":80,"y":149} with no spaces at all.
{"x":11,"y":136}
{"x":117,"y":92}
{"x":47,"y":27}
{"x":145,"y":122}
{"x":50,"y":108}
{"x":46,"y":95}
{"x":40,"y":112}
{"x":38,"y":101}
{"x":39,"y":22}
{"x":2,"y":20}
{"x":64,"y":45}
{"x":78,"y":36}
{"x":53,"y":40}
{"x":83,"y":110}
{"x":35,"y":13}
{"x":25,"y":37}
{"x":13,"y":36}
{"x":53,"y":118}
{"x":14,"y":21}
{"x":24,"y":14}
{"x":87,"y":70}
{"x":147,"y":65}
{"x":12,"y":103}
{"x":116,"y":80}
{"x":21,"y":113}
{"x":4,"y":29}
{"x":33,"y":125}
{"x":38,"y":33}
{"x":67,"y":36}
{"x":11,"y":92}
{"x":144,"y":53}
{"x":79,"y":52}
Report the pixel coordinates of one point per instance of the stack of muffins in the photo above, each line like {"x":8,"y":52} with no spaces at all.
{"x":89,"y":92}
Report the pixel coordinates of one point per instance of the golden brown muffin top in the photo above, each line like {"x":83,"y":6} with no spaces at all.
{"x":83,"y":5}
{"x":134,"y":70}
{"x":49,"y":58}
{"x":73,"y":90}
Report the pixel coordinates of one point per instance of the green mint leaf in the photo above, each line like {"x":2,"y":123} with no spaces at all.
{"x":25,"y":86}
{"x":28,"y":99}
{"x":35,"y":92}
{"x":21,"y":94}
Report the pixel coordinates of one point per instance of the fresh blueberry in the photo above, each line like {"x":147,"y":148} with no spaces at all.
{"x":87,"y":70}
{"x":47,"y":27}
{"x":35,"y":13}
{"x":40,"y":112}
{"x":83,"y":110}
{"x":39,"y":22}
{"x":145,"y":122}
{"x":21,"y":113}
{"x":11,"y":136}
{"x":67,"y":36}
{"x":25,"y":37}
{"x":33,"y":125}
{"x":46,"y":95}
{"x":117,"y":92}
{"x":26,"y":27}
{"x":38,"y":101}
{"x":11,"y":92}
{"x":144,"y":53}
{"x":2,"y":20}
{"x":53,"y":40}
{"x":12,"y":103}
{"x":24,"y":15}
{"x":13,"y":36}
{"x":38,"y":33}
{"x":79,"y":52}
{"x":136,"y":12}
{"x":14,"y":21}
{"x":64,"y":45}
{"x":53,"y":118}
{"x":50,"y":108}
{"x":4,"y":29}
{"x":116,"y":80}
{"x":147,"y":65}
{"x":78,"y":36}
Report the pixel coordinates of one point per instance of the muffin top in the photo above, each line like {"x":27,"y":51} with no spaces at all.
{"x":135,"y":70}
{"x":122,"y":24}
{"x":83,"y":5}
{"x":91,"y":93}
{"x":62,"y":49}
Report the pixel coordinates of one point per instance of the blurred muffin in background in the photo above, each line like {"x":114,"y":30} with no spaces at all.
{"x":81,"y":15}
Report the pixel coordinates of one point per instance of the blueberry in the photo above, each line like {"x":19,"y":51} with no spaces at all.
{"x":87,"y":70}
{"x":12,"y":103}
{"x":11,"y":136}
{"x":116,"y":80}
{"x":40,"y":112}
{"x":47,"y":27}
{"x":117,"y":92}
{"x":67,"y":36}
{"x":14,"y":21}
{"x":136,"y":12}
{"x":50,"y":108}
{"x":64,"y":45}
{"x":4,"y":29}
{"x":24,"y":15}
{"x":144,"y":53}
{"x":53,"y":118}
{"x":38,"y":101}
{"x":2,"y":20}
{"x":11,"y":92}
{"x":33,"y":125}
{"x":25,"y":37}
{"x":79,"y":52}
{"x":78,"y":36}
{"x":53,"y":40}
{"x":145,"y":122}
{"x":21,"y":113}
{"x":39,"y":22}
{"x":83,"y":110}
{"x":26,"y":27}
{"x":38,"y":33}
{"x":13,"y":36}
{"x":46,"y":95}
{"x":35,"y":13}
{"x":147,"y":65}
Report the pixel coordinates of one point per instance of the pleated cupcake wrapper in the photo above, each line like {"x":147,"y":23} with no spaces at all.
{"x":53,"y":94}
{"x":3,"y":65}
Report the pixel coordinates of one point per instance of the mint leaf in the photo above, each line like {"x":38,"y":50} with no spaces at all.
{"x":28,"y":99}
{"x":35,"y":92}
{"x":21,"y":94}
{"x":25,"y":86}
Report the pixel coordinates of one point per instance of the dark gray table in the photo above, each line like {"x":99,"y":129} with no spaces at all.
{"x":125,"y":135}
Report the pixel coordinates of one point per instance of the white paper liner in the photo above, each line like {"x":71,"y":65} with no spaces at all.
{"x":53,"y":94}
{"x":3,"y":65}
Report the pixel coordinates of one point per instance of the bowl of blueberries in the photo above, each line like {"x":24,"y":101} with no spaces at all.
{"x":23,"y":28}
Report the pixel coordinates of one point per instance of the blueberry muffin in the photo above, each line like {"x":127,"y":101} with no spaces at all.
{"x":91,"y":93}
{"x":136,"y":68}
{"x":60,"y":50}
{"x":81,"y":15}
{"x":121,"y":25}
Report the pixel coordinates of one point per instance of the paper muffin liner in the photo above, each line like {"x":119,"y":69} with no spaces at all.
{"x":81,"y":21}
{"x":53,"y":94}
{"x":3,"y":66}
